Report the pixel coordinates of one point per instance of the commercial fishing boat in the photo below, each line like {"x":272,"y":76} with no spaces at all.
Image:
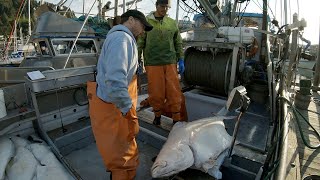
{"x":230,"y":71}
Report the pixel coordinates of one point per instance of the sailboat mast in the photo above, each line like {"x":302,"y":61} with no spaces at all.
{"x":99,"y":10}
{"x":177,"y":11}
{"x":83,"y":3}
{"x":285,"y":12}
{"x":124,"y":6}
{"x":264,"y":36}
{"x":115,"y":8}
{"x":15,"y":36}
{"x":29,"y":21}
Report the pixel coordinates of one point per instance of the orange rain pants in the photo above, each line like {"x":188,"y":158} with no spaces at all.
{"x":165,"y":96}
{"x":115,"y":134}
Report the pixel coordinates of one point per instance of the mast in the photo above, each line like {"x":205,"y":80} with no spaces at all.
{"x":124,"y":6}
{"x":99,"y":10}
{"x":29,"y":14}
{"x":285,"y":12}
{"x":177,"y":12}
{"x":233,"y":13}
{"x":264,"y":36}
{"x":316,"y":79}
{"x":15,"y":36}
{"x":21,"y":38}
{"x":115,"y":8}
{"x":293,"y":50}
{"x":83,"y":7}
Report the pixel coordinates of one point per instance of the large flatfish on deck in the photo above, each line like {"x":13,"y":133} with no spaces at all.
{"x":6,"y":153}
{"x":202,"y":144}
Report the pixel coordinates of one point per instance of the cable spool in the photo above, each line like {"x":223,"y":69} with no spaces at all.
{"x":205,"y":70}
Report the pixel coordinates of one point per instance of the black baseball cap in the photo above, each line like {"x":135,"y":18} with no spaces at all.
{"x":164,"y":2}
{"x":139,"y":15}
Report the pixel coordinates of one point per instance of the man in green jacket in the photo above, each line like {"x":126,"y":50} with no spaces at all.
{"x":162,"y":50}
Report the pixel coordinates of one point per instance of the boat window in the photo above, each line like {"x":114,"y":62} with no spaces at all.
{"x":44,"y":48}
{"x":83,"y":46}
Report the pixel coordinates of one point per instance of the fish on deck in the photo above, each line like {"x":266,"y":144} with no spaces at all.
{"x":202,"y":144}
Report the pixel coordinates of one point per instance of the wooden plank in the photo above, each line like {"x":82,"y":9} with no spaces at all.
{"x":309,"y":158}
{"x":313,"y":157}
{"x":310,"y":164}
{"x":309,"y":171}
{"x":310,"y":138}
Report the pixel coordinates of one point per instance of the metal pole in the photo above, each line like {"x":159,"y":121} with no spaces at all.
{"x":83,"y":7}
{"x":233,"y":12}
{"x":99,"y":10}
{"x":285,"y":12}
{"x":29,"y":14}
{"x":69,"y":8}
{"x":264,"y":36}
{"x":316,"y":79}
{"x":74,"y":43}
{"x":15,"y":36}
{"x":115,"y":8}
{"x":293,"y":52}
{"x":177,"y":11}
{"x":124,"y":6}
{"x":21,"y":37}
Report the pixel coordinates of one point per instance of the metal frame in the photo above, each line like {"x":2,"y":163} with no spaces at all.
{"x":55,"y":80}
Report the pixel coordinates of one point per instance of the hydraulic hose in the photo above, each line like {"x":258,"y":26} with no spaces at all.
{"x":296,"y":112}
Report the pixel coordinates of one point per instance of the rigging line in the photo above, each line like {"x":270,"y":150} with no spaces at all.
{"x":271,"y":10}
{"x":187,"y":11}
{"x":190,"y":7}
{"x":268,"y":5}
{"x":67,"y":8}
{"x":257,"y":5}
{"x":198,"y":7}
{"x":74,"y":43}
{"x":242,"y":13}
{"x":194,"y":6}
{"x":13,"y":27}
{"x":24,"y":4}
{"x":184,"y":9}
{"x":132,"y":4}
{"x":260,"y":5}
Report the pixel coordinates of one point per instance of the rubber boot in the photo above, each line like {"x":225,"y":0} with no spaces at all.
{"x":157,"y":121}
{"x":176,"y":117}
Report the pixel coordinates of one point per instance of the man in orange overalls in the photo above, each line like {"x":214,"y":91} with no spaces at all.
{"x":162,"y":50}
{"x":113,"y":98}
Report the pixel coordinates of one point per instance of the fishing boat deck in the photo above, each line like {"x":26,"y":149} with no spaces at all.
{"x":88,"y":162}
{"x":310,"y":158}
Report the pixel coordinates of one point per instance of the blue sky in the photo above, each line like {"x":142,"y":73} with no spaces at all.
{"x":307,"y":9}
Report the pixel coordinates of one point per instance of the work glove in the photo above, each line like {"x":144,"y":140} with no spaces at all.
{"x":140,"y":67}
{"x":181,"y":65}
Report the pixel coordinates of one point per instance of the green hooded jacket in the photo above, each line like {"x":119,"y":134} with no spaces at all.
{"x":163,"y":44}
